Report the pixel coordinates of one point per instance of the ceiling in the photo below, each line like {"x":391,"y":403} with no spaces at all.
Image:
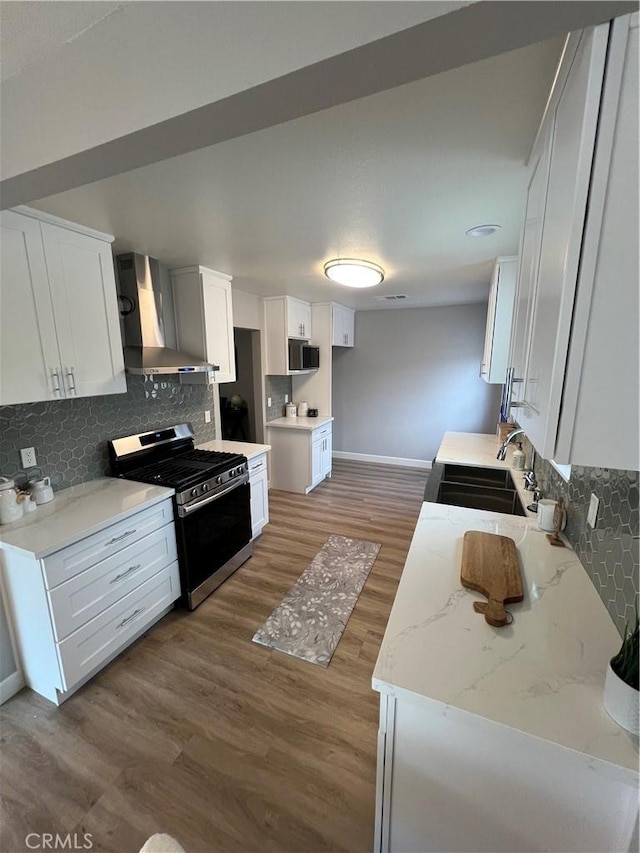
{"x":396,"y":178}
{"x":32,"y":32}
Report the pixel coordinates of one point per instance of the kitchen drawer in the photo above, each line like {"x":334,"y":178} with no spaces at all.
{"x":89,"y":646}
{"x":257,"y":464}
{"x":321,"y":432}
{"x":70,"y":561}
{"x":86,"y":595}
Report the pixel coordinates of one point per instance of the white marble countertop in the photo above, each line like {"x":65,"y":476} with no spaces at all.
{"x":474,"y":448}
{"x":301,"y":423}
{"x":78,"y":512}
{"x":246,"y":448}
{"x":479,"y":450}
{"x":544,"y":673}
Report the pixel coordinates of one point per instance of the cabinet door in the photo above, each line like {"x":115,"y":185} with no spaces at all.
{"x":28,"y":345}
{"x":343,"y":326}
{"x":499,"y":320}
{"x":326,"y":455}
{"x":317,"y":460}
{"x":528,"y":272}
{"x":572,"y":146}
{"x":298,"y":319}
{"x":259,"y":501}
{"x":488,"y":332}
{"x":218,"y":322}
{"x":85,"y":307}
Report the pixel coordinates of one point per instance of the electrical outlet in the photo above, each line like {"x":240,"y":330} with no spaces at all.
{"x":592,"y":514}
{"x":286,"y":398}
{"x":268,"y":402}
{"x":207,"y":416}
{"x":28,"y":457}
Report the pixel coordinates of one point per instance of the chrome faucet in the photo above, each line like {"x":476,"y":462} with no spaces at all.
{"x":509,"y":438}
{"x":530,"y":481}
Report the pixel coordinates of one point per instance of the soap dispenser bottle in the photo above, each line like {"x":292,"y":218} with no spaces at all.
{"x":518,"y":458}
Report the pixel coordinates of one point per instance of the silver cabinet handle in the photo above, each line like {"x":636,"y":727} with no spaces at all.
{"x":72,"y":380}
{"x":119,"y":538}
{"x":55,"y":376}
{"x":135,"y":613}
{"x":124,"y":574}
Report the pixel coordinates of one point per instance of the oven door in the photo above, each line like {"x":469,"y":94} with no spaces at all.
{"x":214,"y":539}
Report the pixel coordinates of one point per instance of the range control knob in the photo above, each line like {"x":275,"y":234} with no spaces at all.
{"x":218,"y":480}
{"x":205,"y":487}
{"x":194,"y":493}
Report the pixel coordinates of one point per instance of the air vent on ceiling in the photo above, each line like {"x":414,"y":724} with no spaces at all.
{"x":392,"y":297}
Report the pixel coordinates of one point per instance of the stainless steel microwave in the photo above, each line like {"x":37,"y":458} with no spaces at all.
{"x":303,"y":357}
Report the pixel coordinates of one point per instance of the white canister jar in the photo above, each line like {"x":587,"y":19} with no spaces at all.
{"x":290,"y":410}
{"x":303,"y":408}
{"x":42,"y":491}
{"x":546,"y":513}
{"x":11,"y":508}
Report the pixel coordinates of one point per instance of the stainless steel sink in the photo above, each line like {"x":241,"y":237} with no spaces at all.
{"x":476,"y":488}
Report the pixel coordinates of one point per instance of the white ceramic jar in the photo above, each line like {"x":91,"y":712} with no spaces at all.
{"x":290,"y":410}
{"x":11,"y":508}
{"x":42,"y":491}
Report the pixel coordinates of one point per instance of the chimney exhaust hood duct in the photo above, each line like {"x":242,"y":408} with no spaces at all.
{"x":145,"y":351}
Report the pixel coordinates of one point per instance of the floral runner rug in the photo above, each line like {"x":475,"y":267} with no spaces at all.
{"x":310,"y":619}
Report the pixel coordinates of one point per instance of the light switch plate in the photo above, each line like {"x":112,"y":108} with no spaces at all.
{"x":28,"y":457}
{"x":286,"y":398}
{"x":592,"y":514}
{"x":268,"y":402}
{"x":207,"y":416}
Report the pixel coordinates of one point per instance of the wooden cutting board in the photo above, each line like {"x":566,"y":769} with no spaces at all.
{"x":490,"y":566}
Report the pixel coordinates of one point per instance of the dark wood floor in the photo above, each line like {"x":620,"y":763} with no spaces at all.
{"x":198,"y":732}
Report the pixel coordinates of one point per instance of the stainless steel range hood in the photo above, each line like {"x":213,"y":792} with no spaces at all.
{"x":145,"y":350}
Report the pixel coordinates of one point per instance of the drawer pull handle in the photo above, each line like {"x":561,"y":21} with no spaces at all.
{"x":118,"y":538}
{"x":124,"y":574}
{"x":129,"y":618}
{"x":256,"y":467}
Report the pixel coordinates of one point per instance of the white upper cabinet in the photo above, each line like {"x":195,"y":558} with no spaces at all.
{"x":298,"y":318}
{"x":343,"y":326}
{"x":528,"y":269}
{"x":284,"y":318}
{"x":204,"y":321}
{"x":576,"y":318}
{"x":86,"y":314}
{"x":60,"y":330}
{"x":599,"y":425}
{"x":572,"y":146}
{"x":499,"y":318}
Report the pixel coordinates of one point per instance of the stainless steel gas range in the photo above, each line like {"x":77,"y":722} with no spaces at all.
{"x":212,"y":506}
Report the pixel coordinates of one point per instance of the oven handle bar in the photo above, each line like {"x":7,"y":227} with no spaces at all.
{"x":187,"y":510}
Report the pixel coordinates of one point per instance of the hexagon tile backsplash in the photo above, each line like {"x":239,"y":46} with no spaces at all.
{"x":70,"y":436}
{"x":610,"y":551}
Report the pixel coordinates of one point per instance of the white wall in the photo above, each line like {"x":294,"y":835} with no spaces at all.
{"x":412,"y":375}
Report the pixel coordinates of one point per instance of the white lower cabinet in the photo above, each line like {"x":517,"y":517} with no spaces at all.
{"x":321,"y":454}
{"x":300,"y":458}
{"x":76,"y":609}
{"x":449,"y":780}
{"x":259,"y":483}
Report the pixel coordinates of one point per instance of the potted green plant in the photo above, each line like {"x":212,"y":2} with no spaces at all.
{"x":621,"y":697}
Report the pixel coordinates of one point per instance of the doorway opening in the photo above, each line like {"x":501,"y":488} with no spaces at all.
{"x":241,"y":401}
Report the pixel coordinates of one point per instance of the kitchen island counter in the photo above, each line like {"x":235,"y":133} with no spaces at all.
{"x":497,"y":738}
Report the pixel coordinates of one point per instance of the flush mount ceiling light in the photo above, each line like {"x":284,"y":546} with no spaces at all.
{"x":482,"y":230}
{"x":354,"y":273}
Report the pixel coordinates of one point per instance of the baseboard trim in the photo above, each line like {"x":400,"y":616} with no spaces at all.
{"x":10,"y":685}
{"x":382,"y":460}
